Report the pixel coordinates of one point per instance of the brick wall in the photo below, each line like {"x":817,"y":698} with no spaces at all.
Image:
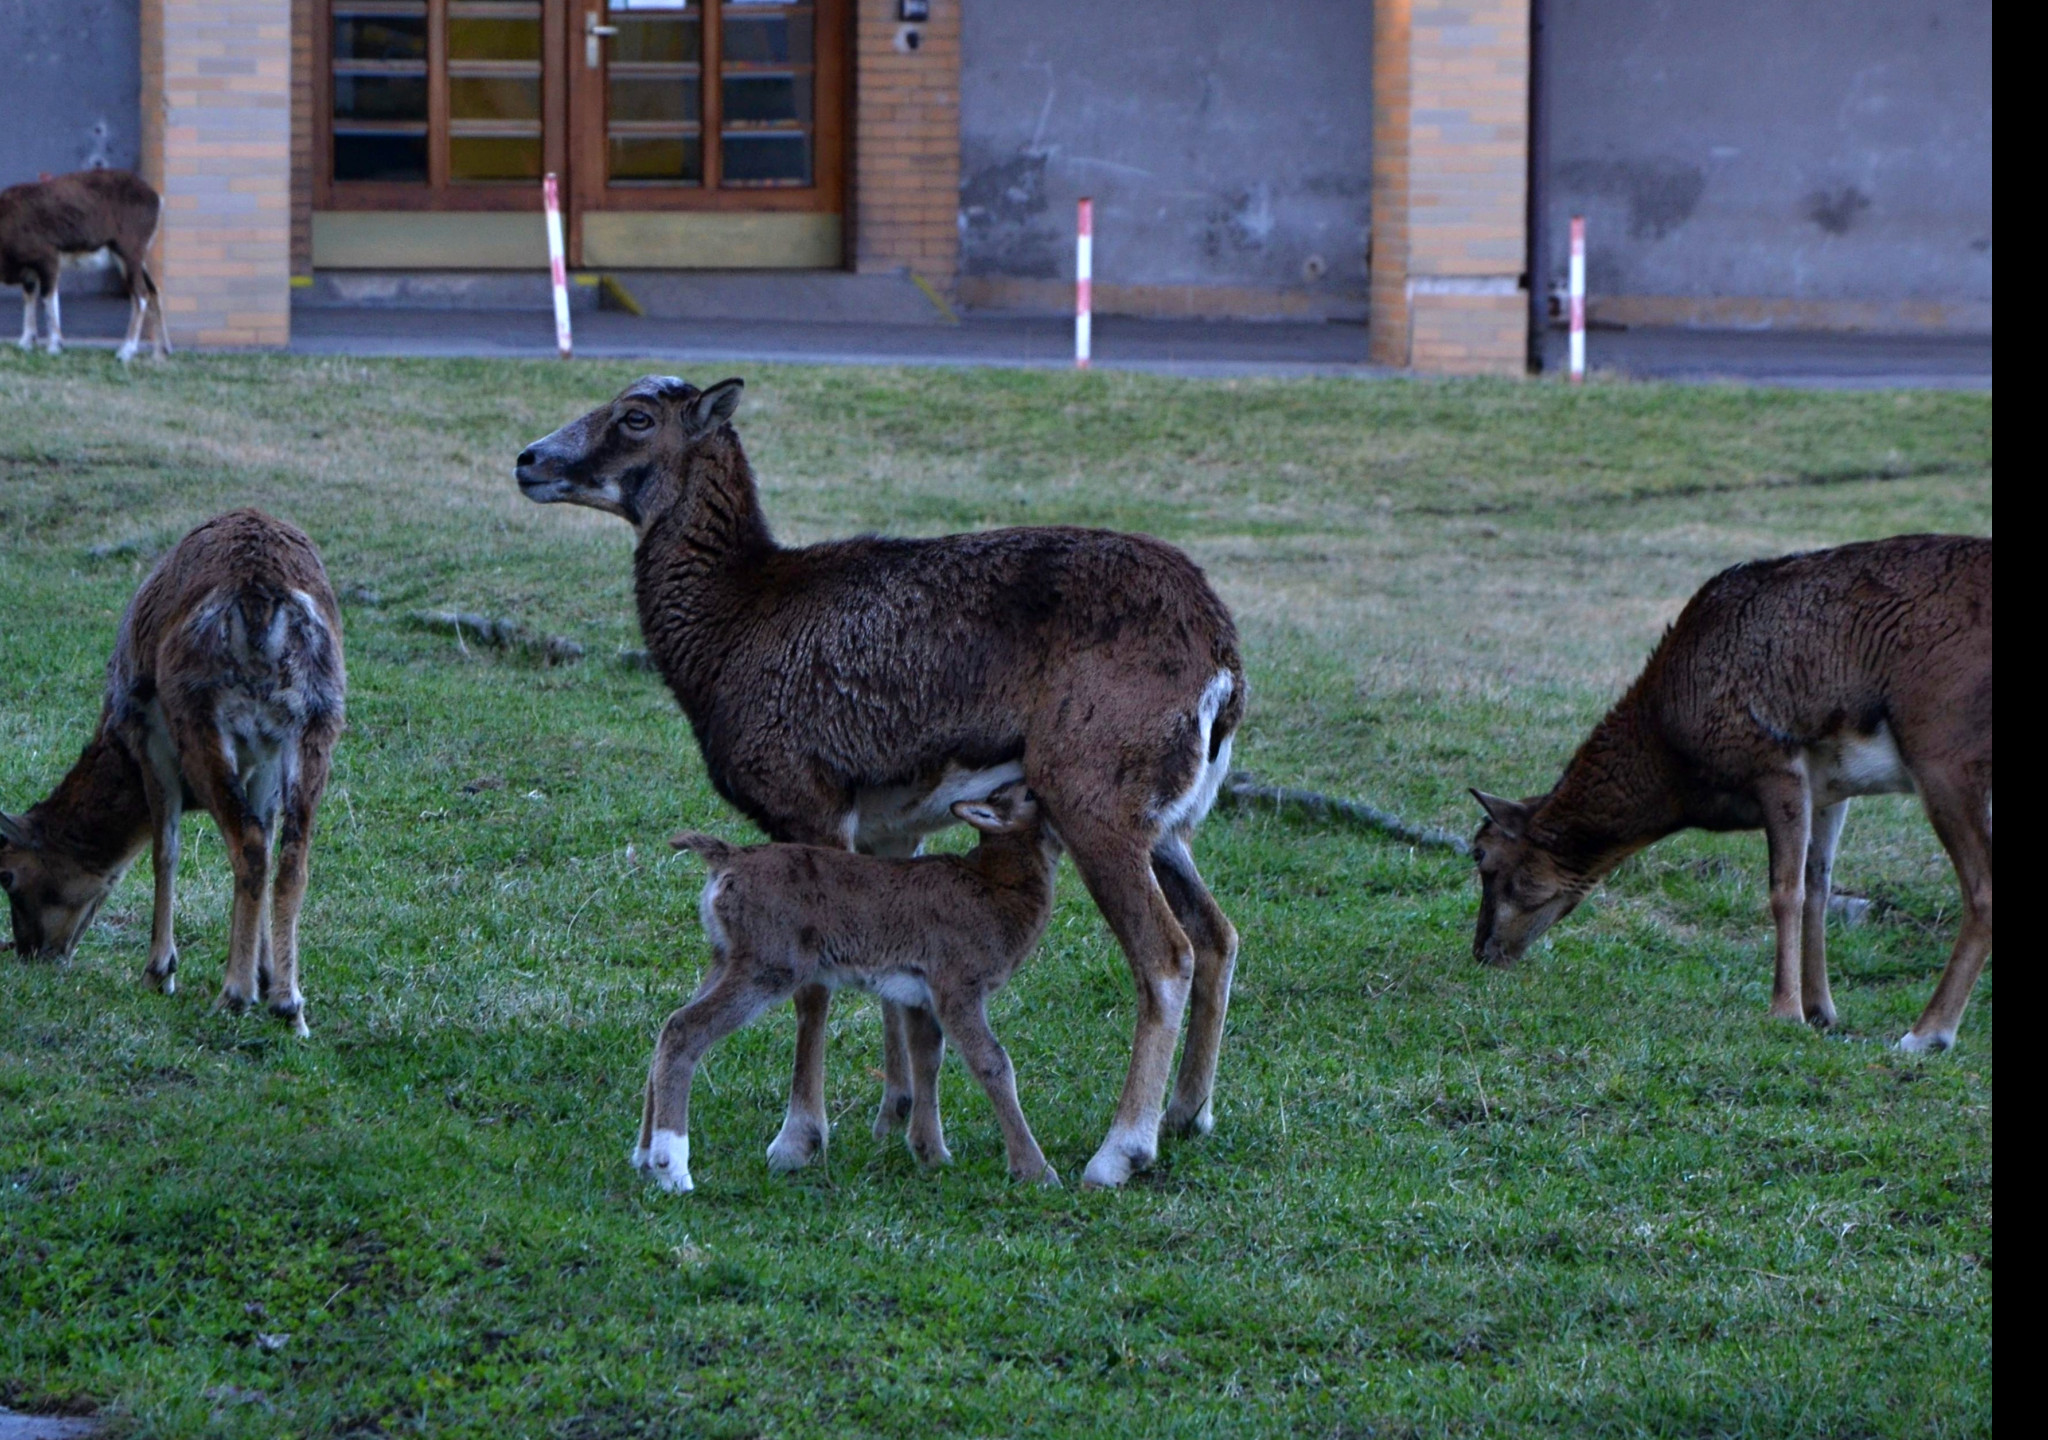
{"x":217,"y":143}
{"x":906,"y":143}
{"x":1450,"y":171}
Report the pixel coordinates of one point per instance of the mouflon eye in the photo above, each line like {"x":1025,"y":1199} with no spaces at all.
{"x":638,"y":420}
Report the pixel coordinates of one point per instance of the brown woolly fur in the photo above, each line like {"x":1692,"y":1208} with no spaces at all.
{"x":1784,"y":688}
{"x":847,"y":693}
{"x":225,"y":690}
{"x":938,"y":934}
{"x":44,"y":221}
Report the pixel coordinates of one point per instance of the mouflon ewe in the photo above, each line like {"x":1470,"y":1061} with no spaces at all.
{"x":44,"y":221}
{"x":848,"y":693}
{"x":937,"y":935}
{"x":1784,"y":688}
{"x":225,"y":691}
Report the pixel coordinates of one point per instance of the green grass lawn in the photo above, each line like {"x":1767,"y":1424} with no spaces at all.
{"x":1600,"y":1194}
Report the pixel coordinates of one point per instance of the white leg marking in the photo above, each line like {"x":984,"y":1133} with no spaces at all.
{"x":55,"y":311}
{"x":132,"y":343}
{"x":667,"y":1159}
{"x":28,"y":318}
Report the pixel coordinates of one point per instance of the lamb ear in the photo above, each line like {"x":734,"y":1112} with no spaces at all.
{"x":982,"y":816}
{"x":1511,"y":815}
{"x":715,"y":405}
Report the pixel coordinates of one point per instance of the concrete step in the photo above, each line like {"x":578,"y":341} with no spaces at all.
{"x":438,"y":290}
{"x":807,"y":296}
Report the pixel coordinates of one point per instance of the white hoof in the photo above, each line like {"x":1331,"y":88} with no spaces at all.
{"x":55,"y":347}
{"x":1123,"y":1154}
{"x":667,"y":1159}
{"x":126,"y":353}
{"x":799,"y":1142}
{"x":1914,"y":1044}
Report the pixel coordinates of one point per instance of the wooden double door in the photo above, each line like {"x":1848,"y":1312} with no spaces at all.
{"x":705,"y":133}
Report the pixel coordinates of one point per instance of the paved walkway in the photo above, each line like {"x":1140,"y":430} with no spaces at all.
{"x":1176,"y":347}
{"x":1170,"y":347}
{"x":1795,"y":359}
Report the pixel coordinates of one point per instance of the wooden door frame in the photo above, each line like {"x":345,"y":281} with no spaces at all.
{"x":438,"y":193}
{"x":832,"y":74}
{"x":566,"y":85}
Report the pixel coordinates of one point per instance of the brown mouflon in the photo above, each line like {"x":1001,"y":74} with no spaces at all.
{"x":936,"y":935}
{"x":44,"y":221}
{"x":1784,"y":688}
{"x":848,"y":693}
{"x":225,"y":691}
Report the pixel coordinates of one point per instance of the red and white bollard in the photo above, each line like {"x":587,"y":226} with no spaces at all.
{"x":551,"y":194}
{"x":1578,"y":300}
{"x":1084,"y":284}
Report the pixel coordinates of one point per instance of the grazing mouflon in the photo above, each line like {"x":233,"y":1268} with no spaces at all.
{"x":1784,"y":688}
{"x":937,"y":935}
{"x":45,"y":221}
{"x":225,"y":691}
{"x":848,"y":693}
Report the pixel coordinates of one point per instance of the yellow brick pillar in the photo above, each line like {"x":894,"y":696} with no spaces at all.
{"x":217,"y":143}
{"x":1450,"y":176}
{"x":906,"y":141}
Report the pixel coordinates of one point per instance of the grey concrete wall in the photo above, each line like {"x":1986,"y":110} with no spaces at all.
{"x":1225,"y":144}
{"x":1827,"y":151}
{"x":70,"y":86}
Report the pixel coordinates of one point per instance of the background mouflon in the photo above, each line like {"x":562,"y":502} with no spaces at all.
{"x":1783,"y":689}
{"x":44,"y":221}
{"x":225,"y":691}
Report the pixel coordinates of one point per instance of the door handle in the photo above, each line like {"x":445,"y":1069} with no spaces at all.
{"x":592,"y":33}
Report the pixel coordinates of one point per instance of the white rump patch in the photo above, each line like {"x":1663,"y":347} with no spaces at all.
{"x":891,"y":819}
{"x":254,"y":743}
{"x":1191,"y":806}
{"x":707,"y":913}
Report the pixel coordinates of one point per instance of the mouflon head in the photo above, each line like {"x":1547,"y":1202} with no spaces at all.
{"x":607,"y":458}
{"x":51,"y":896}
{"x":1524,"y":888}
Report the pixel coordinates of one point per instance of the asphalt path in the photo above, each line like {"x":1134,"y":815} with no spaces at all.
{"x":1803,"y":360}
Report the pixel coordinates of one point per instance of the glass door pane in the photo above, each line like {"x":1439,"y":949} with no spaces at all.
{"x":654,"y":94}
{"x":494,"y":61}
{"x":766,"y":104}
{"x":380,"y":90}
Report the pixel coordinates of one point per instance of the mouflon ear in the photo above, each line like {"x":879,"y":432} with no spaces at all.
{"x":985,"y":815}
{"x":1511,"y":815}
{"x":715,"y":405}
{"x":13,"y":831}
